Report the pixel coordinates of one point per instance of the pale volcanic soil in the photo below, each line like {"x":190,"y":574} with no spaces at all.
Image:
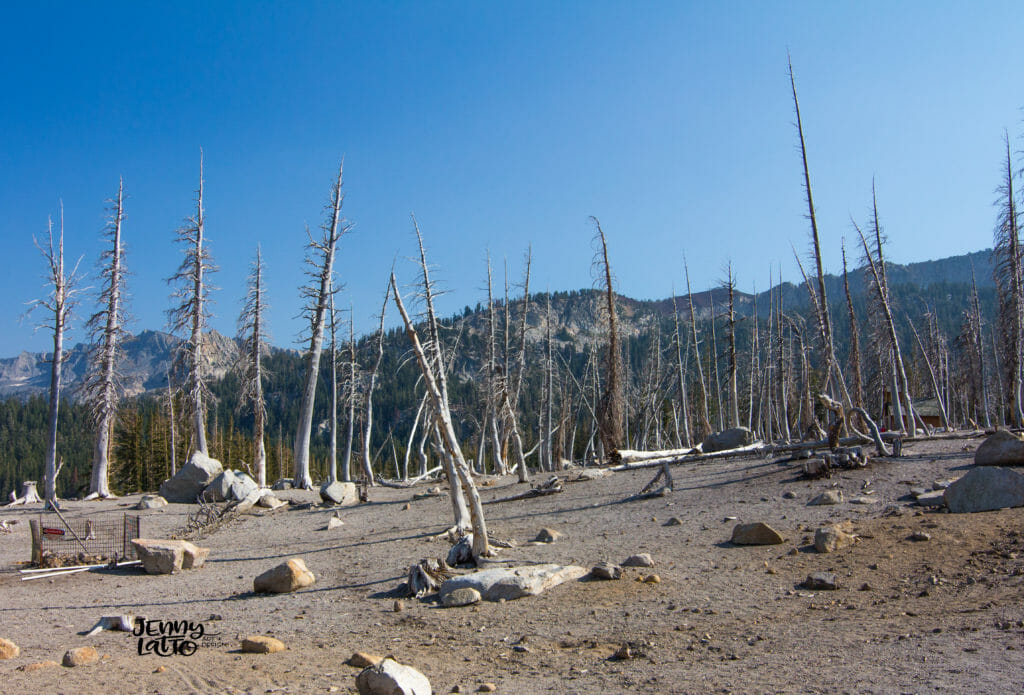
{"x":946,"y":614}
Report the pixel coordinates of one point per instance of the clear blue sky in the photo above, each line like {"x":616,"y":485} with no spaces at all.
{"x":500,"y":125}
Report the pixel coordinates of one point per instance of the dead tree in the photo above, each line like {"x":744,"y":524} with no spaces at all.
{"x":58,"y":305}
{"x":1010,"y":290}
{"x":320,"y":255}
{"x":512,"y":392}
{"x":332,"y":454}
{"x":346,"y":460}
{"x":684,"y":440}
{"x":824,"y":319}
{"x":370,"y":385}
{"x":435,"y":379}
{"x":611,"y":409}
{"x":931,"y":373}
{"x":705,"y":419}
{"x":494,"y":380}
{"x":106,"y":328}
{"x":855,"y":367}
{"x":734,"y":396}
{"x":880,"y":285}
{"x":191,"y":313}
{"x":252,"y":336}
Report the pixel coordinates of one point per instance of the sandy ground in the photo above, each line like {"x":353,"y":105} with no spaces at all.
{"x":945,"y":614}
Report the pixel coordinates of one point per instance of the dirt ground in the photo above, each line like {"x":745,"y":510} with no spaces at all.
{"x":946,"y":614}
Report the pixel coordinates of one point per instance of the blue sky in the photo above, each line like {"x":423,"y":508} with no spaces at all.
{"x":501,"y":125}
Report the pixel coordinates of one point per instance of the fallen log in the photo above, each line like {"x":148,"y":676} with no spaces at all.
{"x":550,"y":487}
{"x":750,"y":449}
{"x":634,"y":455}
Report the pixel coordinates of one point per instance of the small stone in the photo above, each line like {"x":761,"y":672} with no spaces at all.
{"x":364,"y":660}
{"x":652,"y":579}
{"x":827,"y":497}
{"x":755,"y":534}
{"x":8,"y":649}
{"x":260,"y":644}
{"x":334,"y":522}
{"x":607,"y":570}
{"x":466,"y":596}
{"x":38,"y":666}
{"x":399,"y":606}
{"x":286,"y":577}
{"x":673,"y":521}
{"x":81,"y":656}
{"x":824,"y":581}
{"x":829,"y":539}
{"x":391,"y":678}
{"x":789,"y":495}
{"x":547,"y":535}
{"x":623,"y":653}
{"x":151,"y":502}
{"x":866,"y":587}
{"x":159,"y":669}
{"x":920,"y":536}
{"x":487,"y":688}
{"x":406,"y":507}
{"x":641,"y":560}
{"x":862,"y":500}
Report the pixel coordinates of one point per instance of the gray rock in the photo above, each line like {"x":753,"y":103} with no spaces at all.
{"x":821,"y":581}
{"x":920,"y":536}
{"x":286,"y":577}
{"x":829,"y":539}
{"x":827,"y":497}
{"x":732,"y":438}
{"x":81,"y":656}
{"x":269,"y":500}
{"x":1003,"y":448}
{"x":243,"y":486}
{"x":606,"y":570}
{"x":789,"y":495}
{"x":942,"y":484}
{"x":282,"y":484}
{"x":168,"y":556}
{"x":220,"y":489}
{"x":641,"y":560}
{"x":919,"y":490}
{"x":466,"y":596}
{"x":548,"y":535}
{"x":514,"y":582}
{"x":188,"y":483}
{"x":935,"y":498}
{"x":151,"y":502}
{"x":757,"y":533}
{"x":392,"y":678}
{"x":339,"y":493}
{"x":983,"y":489}
{"x":462,"y":552}
{"x":863,"y":500}
{"x":673,"y":521}
{"x":333,"y":523}
{"x":261,"y":644}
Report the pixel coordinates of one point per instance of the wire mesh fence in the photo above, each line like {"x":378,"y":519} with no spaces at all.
{"x":57,"y":542}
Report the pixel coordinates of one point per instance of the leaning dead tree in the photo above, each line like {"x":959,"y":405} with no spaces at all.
{"x":1010,"y":290}
{"x":819,"y":298}
{"x":879,"y":284}
{"x":704,"y":422}
{"x":191,"y":313}
{"x":320,"y":254}
{"x":611,"y":411}
{"x":102,"y":389}
{"x":58,"y":306}
{"x":252,"y":334}
{"x":435,"y":380}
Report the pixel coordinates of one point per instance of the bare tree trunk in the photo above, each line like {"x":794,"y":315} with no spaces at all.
{"x":713,"y":365}
{"x":106,"y":328}
{"x":320,"y":258}
{"x":611,"y":412}
{"x":931,"y":373}
{"x":705,"y":421}
{"x":346,"y":461}
{"x":191,"y":313}
{"x":681,"y":372}
{"x":252,"y":334}
{"x":412,"y":437}
{"x":734,"y":396}
{"x":59,"y":303}
{"x":1010,"y":286}
{"x":858,"y":381}
{"x":437,"y":387}
{"x":332,"y":456}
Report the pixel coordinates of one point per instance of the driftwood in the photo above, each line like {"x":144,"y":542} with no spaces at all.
{"x":114,"y":623}
{"x":749,"y":450}
{"x":408,"y":483}
{"x":661,"y":491}
{"x":551,"y":486}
